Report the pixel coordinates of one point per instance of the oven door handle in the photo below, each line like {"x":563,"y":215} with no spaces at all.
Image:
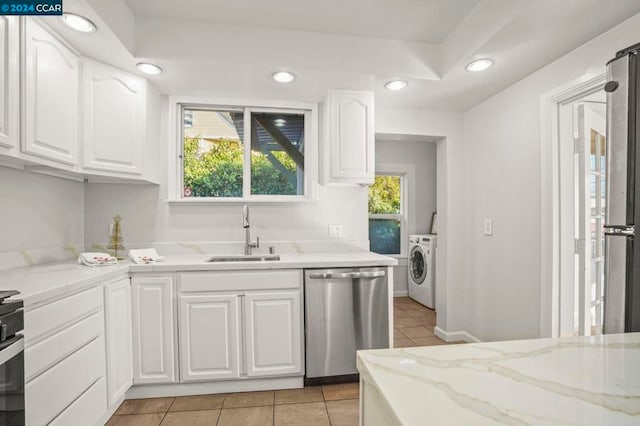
{"x":13,"y":348}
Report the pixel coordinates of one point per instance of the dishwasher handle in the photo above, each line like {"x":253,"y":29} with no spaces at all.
{"x":347,"y":275}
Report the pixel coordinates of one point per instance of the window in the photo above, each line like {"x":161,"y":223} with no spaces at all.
{"x":242,"y":153}
{"x":386,"y":214}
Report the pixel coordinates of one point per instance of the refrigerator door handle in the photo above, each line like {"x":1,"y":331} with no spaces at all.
{"x":620,"y":230}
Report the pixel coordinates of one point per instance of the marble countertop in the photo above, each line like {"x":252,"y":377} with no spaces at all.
{"x":180,"y":263}
{"x":577,"y":380}
{"x":39,"y":284}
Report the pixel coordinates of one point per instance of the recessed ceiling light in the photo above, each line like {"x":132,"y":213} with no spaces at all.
{"x":479,"y":65}
{"x":279,"y":122}
{"x":283,"y":77}
{"x":148,"y":68}
{"x":396,"y":84}
{"x":78,"y":23}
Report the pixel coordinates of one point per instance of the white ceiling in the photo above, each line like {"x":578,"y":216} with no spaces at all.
{"x":231,"y":48}
{"x":412,"y":20}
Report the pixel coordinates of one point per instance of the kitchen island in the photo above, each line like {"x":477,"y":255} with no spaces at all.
{"x":577,"y":380}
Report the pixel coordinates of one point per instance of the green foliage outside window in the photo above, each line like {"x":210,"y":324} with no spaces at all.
{"x":217,"y":171}
{"x":384,"y":195}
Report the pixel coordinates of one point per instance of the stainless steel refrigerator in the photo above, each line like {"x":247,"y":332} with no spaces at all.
{"x":622,"y":262}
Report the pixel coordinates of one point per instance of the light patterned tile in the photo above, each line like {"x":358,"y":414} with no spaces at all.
{"x":412,"y":332}
{"x":343,"y":413}
{"x":296,"y":396}
{"x":149,"y":419}
{"x":141,"y":406}
{"x":308,"y":414}
{"x":407,"y":322}
{"x":253,"y":416}
{"x":197,"y":402}
{"x":428,"y":341}
{"x":248,"y":399}
{"x":403,"y":343}
{"x":191,"y":418}
{"x":341,"y":391}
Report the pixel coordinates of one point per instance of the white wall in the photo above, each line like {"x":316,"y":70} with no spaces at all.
{"x":147,"y":217}
{"x":503,"y":161}
{"x":39,"y":212}
{"x":450,"y":264}
{"x":422,"y":156}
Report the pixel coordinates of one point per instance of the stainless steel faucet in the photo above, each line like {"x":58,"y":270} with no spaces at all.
{"x":248,"y":244}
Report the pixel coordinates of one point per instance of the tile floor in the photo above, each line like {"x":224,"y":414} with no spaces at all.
{"x":335,"y":405}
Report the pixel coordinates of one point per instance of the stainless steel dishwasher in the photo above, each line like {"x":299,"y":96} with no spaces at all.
{"x":346,"y":309}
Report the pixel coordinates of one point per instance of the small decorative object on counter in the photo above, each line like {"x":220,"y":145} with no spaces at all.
{"x":96,"y":259}
{"x":115,"y":239}
{"x":145,"y":256}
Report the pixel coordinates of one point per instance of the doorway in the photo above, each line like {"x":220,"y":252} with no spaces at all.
{"x":582,"y":157}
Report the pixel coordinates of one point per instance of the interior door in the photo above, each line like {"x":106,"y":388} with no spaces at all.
{"x":590,"y":216}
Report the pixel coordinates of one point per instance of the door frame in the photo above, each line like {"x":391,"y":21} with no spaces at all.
{"x":550,"y":103}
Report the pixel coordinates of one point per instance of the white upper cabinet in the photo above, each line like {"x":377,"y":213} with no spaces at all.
{"x":153,"y":330}
{"x":117,"y":307}
{"x":113,"y":119}
{"x":348,"y":141}
{"x":273,"y":333}
{"x":9,"y":83}
{"x":50,"y":99}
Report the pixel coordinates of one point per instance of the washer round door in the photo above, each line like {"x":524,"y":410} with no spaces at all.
{"x":417,"y":265}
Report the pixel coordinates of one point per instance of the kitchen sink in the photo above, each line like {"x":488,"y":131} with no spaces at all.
{"x":245,"y":258}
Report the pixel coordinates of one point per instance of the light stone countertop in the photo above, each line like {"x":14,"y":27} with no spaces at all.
{"x":569,"y":381}
{"x":43,"y":283}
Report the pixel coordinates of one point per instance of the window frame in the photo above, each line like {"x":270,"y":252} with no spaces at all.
{"x":406,"y":172}
{"x":176,"y":148}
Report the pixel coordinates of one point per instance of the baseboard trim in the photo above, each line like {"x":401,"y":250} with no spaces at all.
{"x":111,"y":410}
{"x":203,"y":388}
{"x":401,"y":293}
{"x":455,"y":336}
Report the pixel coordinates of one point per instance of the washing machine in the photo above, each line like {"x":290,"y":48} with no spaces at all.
{"x":422,"y":268}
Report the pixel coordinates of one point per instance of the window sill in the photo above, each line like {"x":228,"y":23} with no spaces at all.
{"x":262,"y":201}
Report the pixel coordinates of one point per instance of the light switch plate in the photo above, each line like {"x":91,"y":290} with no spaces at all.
{"x":488,"y":227}
{"x":335,"y":231}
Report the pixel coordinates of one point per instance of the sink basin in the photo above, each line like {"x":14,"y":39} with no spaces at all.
{"x":245,"y":258}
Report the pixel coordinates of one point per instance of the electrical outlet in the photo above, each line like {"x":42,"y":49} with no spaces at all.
{"x":335,"y":231}
{"x":488,"y":227}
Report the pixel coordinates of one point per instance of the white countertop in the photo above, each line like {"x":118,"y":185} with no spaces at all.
{"x":576,"y":380}
{"x":178,"y":263}
{"x":38,"y":284}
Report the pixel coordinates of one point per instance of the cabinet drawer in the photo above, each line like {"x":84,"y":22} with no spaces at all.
{"x":49,"y":394}
{"x":57,"y":315}
{"x":87,"y":409}
{"x":51,"y":350}
{"x":240,"y":280}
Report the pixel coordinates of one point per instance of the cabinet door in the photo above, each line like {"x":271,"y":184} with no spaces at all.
{"x":51,"y":97}
{"x":153,"y":330}
{"x":9,"y":82}
{"x":209,"y":337}
{"x":117,"y":298}
{"x":352,"y":139}
{"x":113,"y":120}
{"x":273,"y":333}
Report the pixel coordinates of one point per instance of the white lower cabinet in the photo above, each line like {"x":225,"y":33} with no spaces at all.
{"x":117,"y":307}
{"x":65,"y":360}
{"x":153,"y":330}
{"x":209,"y":337}
{"x":240,"y":325}
{"x":272,"y":330}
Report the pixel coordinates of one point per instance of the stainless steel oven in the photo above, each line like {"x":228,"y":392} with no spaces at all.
{"x":11,"y":361}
